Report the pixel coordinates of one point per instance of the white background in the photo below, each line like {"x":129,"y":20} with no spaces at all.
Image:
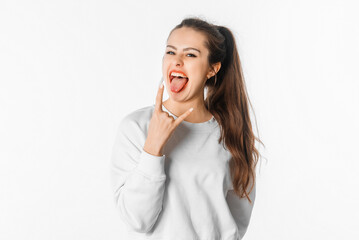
{"x":70,"y":70}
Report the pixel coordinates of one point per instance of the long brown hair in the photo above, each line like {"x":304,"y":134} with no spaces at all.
{"x":227,"y":100}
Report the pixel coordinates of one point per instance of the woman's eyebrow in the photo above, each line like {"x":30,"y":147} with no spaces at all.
{"x":185,"y":49}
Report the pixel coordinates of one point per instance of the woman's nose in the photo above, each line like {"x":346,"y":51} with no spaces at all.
{"x":179,"y":61}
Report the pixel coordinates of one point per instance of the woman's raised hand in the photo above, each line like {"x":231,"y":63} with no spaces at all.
{"x":161,"y":126}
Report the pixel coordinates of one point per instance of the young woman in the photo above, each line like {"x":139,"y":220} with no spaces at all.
{"x":179,"y":174}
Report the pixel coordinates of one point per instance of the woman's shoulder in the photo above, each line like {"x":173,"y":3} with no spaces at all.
{"x":140,"y":114}
{"x":139,"y":117}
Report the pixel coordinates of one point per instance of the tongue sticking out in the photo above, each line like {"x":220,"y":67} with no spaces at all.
{"x":178,"y":83}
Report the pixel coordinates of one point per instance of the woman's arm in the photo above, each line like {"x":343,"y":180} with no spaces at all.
{"x":137,"y":177}
{"x":241,"y":209}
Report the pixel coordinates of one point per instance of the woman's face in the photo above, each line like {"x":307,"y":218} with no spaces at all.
{"x":186,"y":52}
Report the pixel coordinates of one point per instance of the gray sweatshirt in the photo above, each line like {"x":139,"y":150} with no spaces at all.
{"x":185,"y":194}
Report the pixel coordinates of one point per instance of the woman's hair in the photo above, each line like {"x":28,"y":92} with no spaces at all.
{"x":227,"y":100}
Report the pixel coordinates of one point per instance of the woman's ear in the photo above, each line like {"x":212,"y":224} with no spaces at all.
{"x":216,"y":67}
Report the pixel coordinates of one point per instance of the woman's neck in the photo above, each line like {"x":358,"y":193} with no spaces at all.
{"x":200,"y":113}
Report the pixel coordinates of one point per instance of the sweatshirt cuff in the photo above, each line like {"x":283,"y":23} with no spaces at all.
{"x":152,"y":165}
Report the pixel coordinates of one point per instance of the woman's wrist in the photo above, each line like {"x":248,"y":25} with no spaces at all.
{"x":152,"y":150}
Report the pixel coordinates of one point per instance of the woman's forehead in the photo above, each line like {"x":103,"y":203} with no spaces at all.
{"x":185,"y":38}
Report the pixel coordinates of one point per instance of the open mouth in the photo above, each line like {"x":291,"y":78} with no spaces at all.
{"x":178,"y":83}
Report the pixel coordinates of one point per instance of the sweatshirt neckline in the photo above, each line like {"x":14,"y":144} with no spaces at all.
{"x":207,"y":126}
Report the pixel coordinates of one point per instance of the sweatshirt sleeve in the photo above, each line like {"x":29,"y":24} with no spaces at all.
{"x":241,"y":209}
{"x":137,"y":178}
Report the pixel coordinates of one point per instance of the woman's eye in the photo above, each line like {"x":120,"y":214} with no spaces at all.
{"x":187,"y":54}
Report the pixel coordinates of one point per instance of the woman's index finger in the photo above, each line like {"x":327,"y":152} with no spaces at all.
{"x":159,"y":97}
